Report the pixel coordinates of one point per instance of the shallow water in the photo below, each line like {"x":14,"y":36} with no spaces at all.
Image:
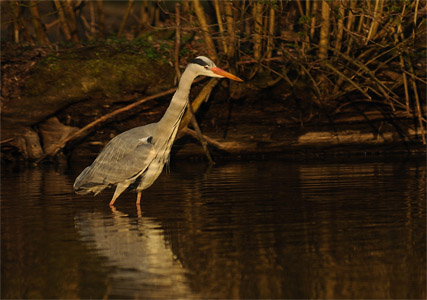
{"x":264,"y":229}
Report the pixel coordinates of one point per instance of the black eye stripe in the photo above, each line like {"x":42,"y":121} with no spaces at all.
{"x":199,"y":62}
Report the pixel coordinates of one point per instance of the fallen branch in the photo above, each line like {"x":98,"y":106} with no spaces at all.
{"x":228,"y":147}
{"x":6,"y":141}
{"x":203,"y":95}
{"x":104,"y":119}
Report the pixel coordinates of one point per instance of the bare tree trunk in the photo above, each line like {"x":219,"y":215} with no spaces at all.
{"x":125,"y":18}
{"x":62,"y":20}
{"x":23,"y":24}
{"x":200,"y":13}
{"x":101,"y":17}
{"x":186,"y":5}
{"x":143,"y":18}
{"x":231,"y":30}
{"x":419,"y":112}
{"x":376,"y":21}
{"x":313,"y":20}
{"x":324,"y":31}
{"x":306,"y":44}
{"x":37,"y":23}
{"x":69,"y":12}
{"x":401,"y":60}
{"x":220,"y":25}
{"x":92,"y":19}
{"x":257,"y":16}
{"x":350,"y":22}
{"x":16,"y":16}
{"x":340,"y":29}
{"x":156,"y":21}
{"x":270,"y":40}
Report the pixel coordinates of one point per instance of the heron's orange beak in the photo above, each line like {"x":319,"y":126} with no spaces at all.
{"x":221,"y":72}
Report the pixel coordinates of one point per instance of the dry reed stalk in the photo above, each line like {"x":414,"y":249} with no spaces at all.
{"x":101,"y":18}
{"x":347,"y":79}
{"x":21,"y":22}
{"x":257,"y":38}
{"x":177,"y":41}
{"x":340,"y":28}
{"x":383,"y":88}
{"x":405,"y":84}
{"x":143,"y":18}
{"x":307,"y":24}
{"x":299,"y":5}
{"x":304,"y":70}
{"x":324,"y":31}
{"x":16,"y":11}
{"x":270,"y":40}
{"x":220,"y":25}
{"x":231,"y":31}
{"x":350,"y":22}
{"x":62,"y":20}
{"x":87,"y":26}
{"x":419,"y":114}
{"x":200,"y":13}
{"x":305,"y":41}
{"x":401,"y":60}
{"x":313,"y":19}
{"x":361,"y":22}
{"x":71,"y":19}
{"x":92,"y":19}
{"x":378,"y":10}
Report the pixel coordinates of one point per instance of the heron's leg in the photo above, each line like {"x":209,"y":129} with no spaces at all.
{"x":138,"y":198}
{"x":119,"y":189}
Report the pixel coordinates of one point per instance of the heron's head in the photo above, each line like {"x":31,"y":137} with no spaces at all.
{"x":204,"y":66}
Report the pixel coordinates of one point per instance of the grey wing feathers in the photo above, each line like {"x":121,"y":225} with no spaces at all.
{"x":80,"y":182}
{"x":124,"y":158}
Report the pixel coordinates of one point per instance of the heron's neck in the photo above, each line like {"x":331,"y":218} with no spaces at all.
{"x":174,"y":113}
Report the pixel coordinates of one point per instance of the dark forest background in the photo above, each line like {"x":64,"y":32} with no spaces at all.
{"x":320,"y":59}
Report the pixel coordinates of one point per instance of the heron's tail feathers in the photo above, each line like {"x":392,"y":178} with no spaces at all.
{"x":87,"y":183}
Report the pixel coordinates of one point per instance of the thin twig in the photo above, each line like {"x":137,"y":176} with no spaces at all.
{"x":348,"y":79}
{"x":177,"y":41}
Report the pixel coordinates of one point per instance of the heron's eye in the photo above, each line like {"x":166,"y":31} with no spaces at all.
{"x":206,"y":67}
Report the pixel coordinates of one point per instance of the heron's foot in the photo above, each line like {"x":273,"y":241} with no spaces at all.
{"x":138,"y":198}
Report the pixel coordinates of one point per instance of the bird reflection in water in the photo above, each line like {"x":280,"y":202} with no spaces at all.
{"x":136,"y":248}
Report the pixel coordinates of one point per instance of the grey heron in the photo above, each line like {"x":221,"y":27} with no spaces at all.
{"x":136,"y":157}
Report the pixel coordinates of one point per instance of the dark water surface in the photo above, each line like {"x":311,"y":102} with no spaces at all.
{"x":240,"y":230}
